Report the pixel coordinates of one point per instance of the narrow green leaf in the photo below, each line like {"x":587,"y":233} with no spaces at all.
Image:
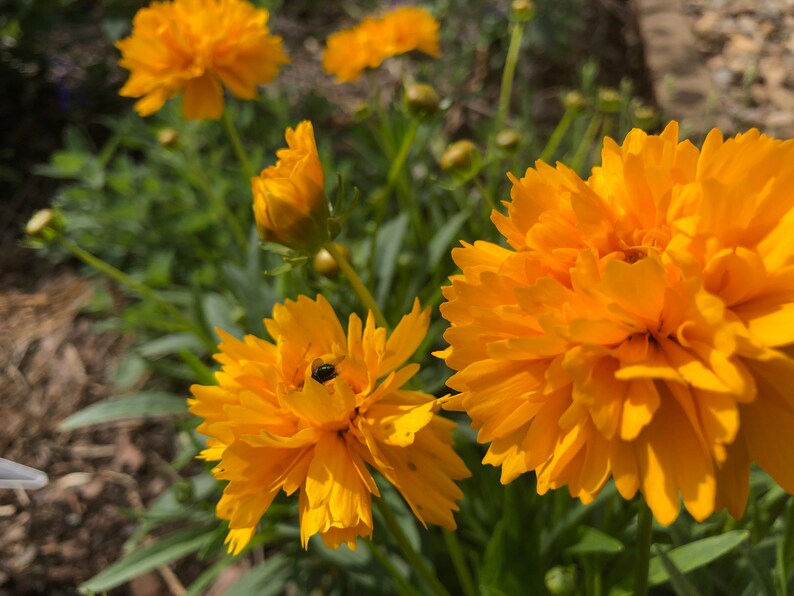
{"x":171,"y":344}
{"x":440,"y":244}
{"x":266,"y":579}
{"x":203,"y":581}
{"x":146,"y":404}
{"x":595,"y":542}
{"x":161,"y":552}
{"x":696,"y":554}
{"x":681,"y":584}
{"x":389,"y":242}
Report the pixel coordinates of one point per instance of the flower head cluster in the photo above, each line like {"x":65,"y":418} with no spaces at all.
{"x":290,"y":206}
{"x":350,"y":52}
{"x":198,"y":47}
{"x":313,"y":411}
{"x":639,"y":326}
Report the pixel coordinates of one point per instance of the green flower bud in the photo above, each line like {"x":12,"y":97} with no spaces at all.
{"x":421,"y":99}
{"x":561,"y":581}
{"x":324,"y":264}
{"x":645,"y":117}
{"x":608,"y":100}
{"x":523,"y":10}
{"x":574,"y":101}
{"x":508,"y":139}
{"x":458,"y":156}
{"x":168,"y":137}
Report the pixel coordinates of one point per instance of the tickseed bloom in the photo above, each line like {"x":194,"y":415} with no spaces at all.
{"x":640,"y":324}
{"x":199,"y":47}
{"x":290,"y":206}
{"x":314,"y":411}
{"x":350,"y":52}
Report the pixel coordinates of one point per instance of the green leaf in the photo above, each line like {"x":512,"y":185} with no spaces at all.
{"x":266,"y":579}
{"x":217,"y":312}
{"x":694,"y":555}
{"x":389,"y":242}
{"x":439,"y":245}
{"x":680,"y":584}
{"x":145,"y":404}
{"x":171,"y":344}
{"x":162,"y":552}
{"x":595,"y":542}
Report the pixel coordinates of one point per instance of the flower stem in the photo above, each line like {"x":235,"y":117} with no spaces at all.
{"x":234,"y":137}
{"x":586,"y":143}
{"x":358,"y":286}
{"x":508,"y":74}
{"x":556,"y":137}
{"x":137,"y":287}
{"x":644,"y":535}
{"x":459,"y":562}
{"x":403,"y":587}
{"x":414,"y":558}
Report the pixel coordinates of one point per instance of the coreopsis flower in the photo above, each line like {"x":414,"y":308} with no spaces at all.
{"x":198,"y":47}
{"x":290,"y":206}
{"x":314,"y":411}
{"x":350,"y":52}
{"x":639,"y":325}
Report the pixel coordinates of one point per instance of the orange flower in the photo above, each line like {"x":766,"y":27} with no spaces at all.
{"x":640,"y":326}
{"x":198,"y":46}
{"x":312,"y":410}
{"x":350,"y":52}
{"x":290,"y":206}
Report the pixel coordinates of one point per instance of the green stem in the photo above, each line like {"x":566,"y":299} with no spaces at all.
{"x":644,"y":535}
{"x":234,"y":137}
{"x":485,"y":194}
{"x":403,"y":587}
{"x":508,"y":74}
{"x":137,"y":287}
{"x":398,"y":162}
{"x":221,"y":205}
{"x":414,"y":558}
{"x":358,"y":286}
{"x":459,"y":562}
{"x":556,"y":137}
{"x":586,"y":144}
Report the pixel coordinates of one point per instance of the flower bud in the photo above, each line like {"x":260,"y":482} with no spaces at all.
{"x":168,"y":137}
{"x":290,"y":207}
{"x":421,"y":99}
{"x":574,"y":101}
{"x":523,"y":10}
{"x":645,"y":117}
{"x":508,"y":139}
{"x":608,"y":100}
{"x":458,"y":156}
{"x":561,"y":581}
{"x":324,"y":264}
{"x":43,"y":223}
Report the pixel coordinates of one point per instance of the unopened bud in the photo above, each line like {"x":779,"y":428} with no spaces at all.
{"x":42,"y":222}
{"x":458,"y":156}
{"x":608,"y":100}
{"x":574,"y":101}
{"x":324,"y":264}
{"x":168,"y":137}
{"x":645,"y":117}
{"x":523,"y":10}
{"x":561,"y":581}
{"x":508,"y":139}
{"x":421,"y":99}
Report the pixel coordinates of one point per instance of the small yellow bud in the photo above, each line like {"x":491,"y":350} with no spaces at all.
{"x":608,"y":100}
{"x":561,"y":581}
{"x":645,"y":117}
{"x":574,"y":101}
{"x":324,"y":264}
{"x":421,"y":99}
{"x":523,"y":10}
{"x":458,"y":156}
{"x":168,"y":137}
{"x":508,"y":139}
{"x":290,"y":207}
{"x":41,"y":222}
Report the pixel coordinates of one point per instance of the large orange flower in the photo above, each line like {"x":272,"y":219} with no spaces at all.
{"x":639,"y":326}
{"x":198,"y":46}
{"x":312,"y":410}
{"x":350,"y":52}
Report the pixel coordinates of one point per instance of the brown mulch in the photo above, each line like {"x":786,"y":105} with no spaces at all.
{"x":52,"y":364}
